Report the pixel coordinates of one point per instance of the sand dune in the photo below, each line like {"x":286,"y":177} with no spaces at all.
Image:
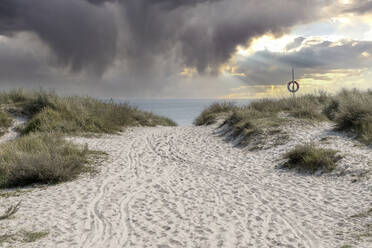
{"x":187,"y":187}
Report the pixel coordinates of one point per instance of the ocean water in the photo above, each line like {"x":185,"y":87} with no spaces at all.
{"x":182,"y":111}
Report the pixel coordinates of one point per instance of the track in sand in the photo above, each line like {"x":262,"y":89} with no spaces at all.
{"x":186,"y":187}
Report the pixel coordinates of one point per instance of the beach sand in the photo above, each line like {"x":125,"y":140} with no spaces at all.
{"x":189,"y":187}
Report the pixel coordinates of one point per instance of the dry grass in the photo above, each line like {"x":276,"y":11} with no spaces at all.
{"x":12,"y":210}
{"x":262,"y":114}
{"x":349,"y":109}
{"x":41,"y":155}
{"x":363,"y":214}
{"x":30,"y":236}
{"x":22,"y":236}
{"x":40,"y":158}
{"x":49,"y":112}
{"x":5,"y":122}
{"x":310,"y":158}
{"x":354,"y":112}
{"x":13,"y":193}
{"x":210,"y":114}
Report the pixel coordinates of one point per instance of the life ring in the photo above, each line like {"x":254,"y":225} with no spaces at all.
{"x":293,"y":86}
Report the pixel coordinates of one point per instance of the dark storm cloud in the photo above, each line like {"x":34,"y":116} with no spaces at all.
{"x":205,"y":33}
{"x":360,"y":7}
{"x":269,"y":68}
{"x":195,"y":33}
{"x":167,"y":4}
{"x":82,"y":35}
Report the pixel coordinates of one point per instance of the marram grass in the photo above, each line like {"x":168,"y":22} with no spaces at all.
{"x":41,"y":159}
{"x":310,"y":158}
{"x":349,"y":109}
{"x":49,"y":112}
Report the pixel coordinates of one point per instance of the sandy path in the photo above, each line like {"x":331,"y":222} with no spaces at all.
{"x":186,"y":187}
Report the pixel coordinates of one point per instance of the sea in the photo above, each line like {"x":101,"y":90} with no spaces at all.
{"x":182,"y":111}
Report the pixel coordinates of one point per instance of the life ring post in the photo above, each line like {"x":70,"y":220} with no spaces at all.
{"x":293,"y":86}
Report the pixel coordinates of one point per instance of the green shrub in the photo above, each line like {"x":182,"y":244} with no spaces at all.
{"x":40,"y":158}
{"x":310,"y":158}
{"x":210,"y":114}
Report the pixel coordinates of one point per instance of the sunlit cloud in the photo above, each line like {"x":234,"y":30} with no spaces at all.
{"x":189,"y":72}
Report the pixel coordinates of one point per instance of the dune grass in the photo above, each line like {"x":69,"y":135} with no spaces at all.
{"x":49,"y":112}
{"x":310,"y":158}
{"x":354,"y":112}
{"x":210,"y":114}
{"x":5,"y":122}
{"x":349,"y":109}
{"x":41,"y":159}
{"x":42,"y":155}
{"x":31,"y":236}
{"x":23,"y":236}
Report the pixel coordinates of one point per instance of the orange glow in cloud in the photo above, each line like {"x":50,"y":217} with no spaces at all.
{"x":188,"y":72}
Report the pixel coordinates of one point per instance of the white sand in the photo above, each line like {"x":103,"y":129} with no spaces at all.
{"x":12,"y":134}
{"x":186,"y":187}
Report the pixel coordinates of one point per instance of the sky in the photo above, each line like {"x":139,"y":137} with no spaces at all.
{"x":185,"y":48}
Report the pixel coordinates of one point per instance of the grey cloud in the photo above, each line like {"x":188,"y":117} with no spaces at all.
{"x":268,"y":68}
{"x":81,"y":35}
{"x":360,"y":7}
{"x":329,"y":55}
{"x":140,"y":45}
{"x":203,"y":33}
{"x":295,"y":44}
{"x":207,"y":34}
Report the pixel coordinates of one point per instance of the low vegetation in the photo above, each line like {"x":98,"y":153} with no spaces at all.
{"x":22,"y":236}
{"x":13,"y":193}
{"x":363,"y":214}
{"x":210,"y":114}
{"x":5,"y":122}
{"x":42,"y":159}
{"x":49,"y":112}
{"x":41,"y":155}
{"x":310,"y":158}
{"x":351,"y":110}
{"x":354,"y":112}
{"x":10,"y":211}
{"x":30,"y":236}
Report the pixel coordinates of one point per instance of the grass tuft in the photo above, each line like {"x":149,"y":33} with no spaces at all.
{"x":22,"y":236}
{"x":310,"y":158}
{"x":30,"y":236}
{"x":355,"y":113}
{"x":40,"y":158}
{"x":12,"y":210}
